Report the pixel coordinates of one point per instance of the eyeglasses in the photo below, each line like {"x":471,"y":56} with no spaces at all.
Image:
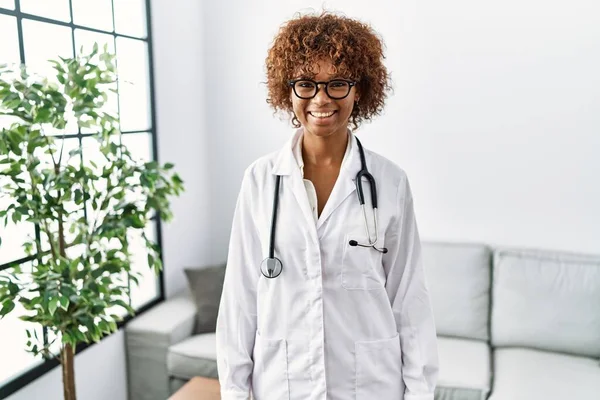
{"x":306,"y":89}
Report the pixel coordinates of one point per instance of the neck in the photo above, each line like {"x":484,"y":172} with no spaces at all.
{"x":328,"y":151}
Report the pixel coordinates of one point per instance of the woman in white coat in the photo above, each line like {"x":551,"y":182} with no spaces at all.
{"x":341,"y":317}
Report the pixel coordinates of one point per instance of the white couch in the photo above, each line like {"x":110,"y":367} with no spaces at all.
{"x":512,"y":324}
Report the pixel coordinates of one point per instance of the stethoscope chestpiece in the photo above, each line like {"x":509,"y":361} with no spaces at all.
{"x":271,"y":267}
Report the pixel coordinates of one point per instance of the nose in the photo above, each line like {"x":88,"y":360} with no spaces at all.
{"x":321,"y":96}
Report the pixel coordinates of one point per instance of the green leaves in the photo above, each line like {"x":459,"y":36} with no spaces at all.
{"x":7,"y":306}
{"x":81,"y":268}
{"x":64,"y":303}
{"x":53,"y":305}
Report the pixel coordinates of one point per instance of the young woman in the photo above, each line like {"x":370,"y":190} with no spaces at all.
{"x":324,"y":295}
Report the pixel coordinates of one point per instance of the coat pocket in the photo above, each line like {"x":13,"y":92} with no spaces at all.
{"x":362,"y":267}
{"x":379,"y":369}
{"x":270,"y":374}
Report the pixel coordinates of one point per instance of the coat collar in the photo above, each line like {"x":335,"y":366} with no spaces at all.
{"x":285,"y":161}
{"x":285,"y":164}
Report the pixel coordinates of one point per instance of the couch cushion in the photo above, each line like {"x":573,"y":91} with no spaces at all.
{"x":465,"y":369}
{"x":206,"y":285}
{"x":526,"y":374}
{"x":458,"y":278}
{"x":195,"y":356}
{"x":546,"y":300}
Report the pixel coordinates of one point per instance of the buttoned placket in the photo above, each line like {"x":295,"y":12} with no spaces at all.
{"x":315,"y":298}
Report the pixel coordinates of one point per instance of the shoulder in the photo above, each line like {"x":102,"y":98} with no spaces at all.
{"x":260,"y":168}
{"x":386,"y":169}
{"x":395,"y":185}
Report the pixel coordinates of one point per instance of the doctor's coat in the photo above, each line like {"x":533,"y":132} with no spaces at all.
{"x":341,"y":322}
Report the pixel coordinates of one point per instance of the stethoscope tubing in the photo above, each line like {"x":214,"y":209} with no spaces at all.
{"x":274,"y":220}
{"x":273,"y":263}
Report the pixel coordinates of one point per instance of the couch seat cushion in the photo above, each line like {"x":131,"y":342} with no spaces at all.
{"x":526,"y":374}
{"x":464,"y":369}
{"x":195,"y":356}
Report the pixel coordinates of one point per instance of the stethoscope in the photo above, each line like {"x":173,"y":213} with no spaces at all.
{"x":271,"y":266}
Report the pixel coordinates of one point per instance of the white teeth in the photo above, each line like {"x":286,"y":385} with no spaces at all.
{"x":321,"y":115}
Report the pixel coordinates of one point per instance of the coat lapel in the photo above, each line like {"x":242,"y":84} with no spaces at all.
{"x":345,"y":183}
{"x":286,"y":166}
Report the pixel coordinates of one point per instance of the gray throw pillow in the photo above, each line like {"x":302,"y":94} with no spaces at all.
{"x":206,"y":285}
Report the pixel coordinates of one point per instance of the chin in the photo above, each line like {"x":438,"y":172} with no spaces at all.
{"x":320,"y":131}
{"x":323,"y":131}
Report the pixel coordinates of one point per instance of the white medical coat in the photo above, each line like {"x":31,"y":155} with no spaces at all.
{"x":341,"y":322}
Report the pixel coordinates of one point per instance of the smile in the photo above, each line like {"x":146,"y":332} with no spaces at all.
{"x":321,"y":114}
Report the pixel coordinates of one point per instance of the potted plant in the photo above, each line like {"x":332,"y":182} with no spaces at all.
{"x":80,"y":273}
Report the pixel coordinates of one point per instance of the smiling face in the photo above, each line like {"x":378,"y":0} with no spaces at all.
{"x":323,"y":116}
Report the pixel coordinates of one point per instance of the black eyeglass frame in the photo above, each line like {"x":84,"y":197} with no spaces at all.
{"x":292,"y":83}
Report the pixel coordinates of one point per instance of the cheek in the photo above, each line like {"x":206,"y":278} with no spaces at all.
{"x":298,"y":107}
{"x":347,"y":107}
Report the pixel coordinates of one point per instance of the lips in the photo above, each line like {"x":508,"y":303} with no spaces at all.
{"x":322,"y":114}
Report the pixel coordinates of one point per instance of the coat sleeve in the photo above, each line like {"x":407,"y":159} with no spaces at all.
{"x":236,"y":321}
{"x":407,"y":290}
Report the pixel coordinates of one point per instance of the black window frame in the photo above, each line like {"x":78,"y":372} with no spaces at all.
{"x":27,"y":377}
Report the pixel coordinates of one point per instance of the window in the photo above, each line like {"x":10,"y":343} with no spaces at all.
{"x":32,"y":32}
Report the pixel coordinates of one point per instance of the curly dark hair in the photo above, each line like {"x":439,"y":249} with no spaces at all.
{"x":354,"y":49}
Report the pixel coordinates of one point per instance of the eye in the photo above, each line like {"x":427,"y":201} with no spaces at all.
{"x":305,"y":84}
{"x":338,"y":84}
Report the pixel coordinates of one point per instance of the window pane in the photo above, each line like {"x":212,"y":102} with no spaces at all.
{"x":148,"y":280}
{"x":44,"y":42}
{"x":55,"y":9}
{"x":134,"y":82}
{"x":91,"y":152}
{"x":140,"y":147}
{"x":14,"y":339}
{"x":13,"y":235}
{"x":9,"y":45}
{"x":9,"y":54}
{"x":55,"y":342}
{"x":86,"y":39}
{"x":130,"y":17}
{"x":94,"y":14}
{"x":120,"y":280}
{"x":10,"y":4}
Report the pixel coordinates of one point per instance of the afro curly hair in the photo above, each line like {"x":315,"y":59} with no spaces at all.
{"x":354,"y":49}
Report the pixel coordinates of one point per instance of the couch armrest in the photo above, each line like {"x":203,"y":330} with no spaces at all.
{"x":147,"y":341}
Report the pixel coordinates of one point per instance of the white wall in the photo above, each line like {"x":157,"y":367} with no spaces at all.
{"x":494,"y":115}
{"x":178,"y":36}
{"x":99,"y":375}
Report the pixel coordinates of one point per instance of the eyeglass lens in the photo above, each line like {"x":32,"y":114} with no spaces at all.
{"x":336,"y":89}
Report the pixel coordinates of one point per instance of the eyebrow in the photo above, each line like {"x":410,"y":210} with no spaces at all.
{"x":334,"y":77}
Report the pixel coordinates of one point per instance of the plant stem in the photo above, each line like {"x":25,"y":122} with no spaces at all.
{"x":68,"y":372}
{"x":61,"y":232}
